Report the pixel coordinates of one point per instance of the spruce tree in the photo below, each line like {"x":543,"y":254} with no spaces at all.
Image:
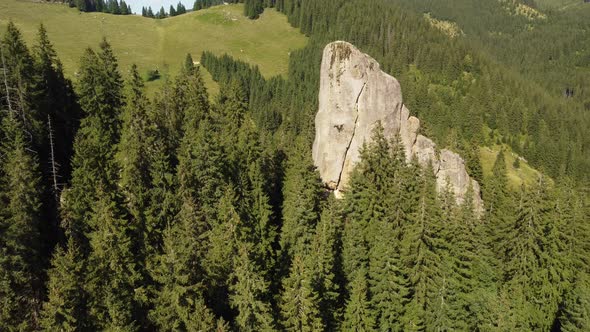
{"x":534,"y":267}
{"x":301,"y":204}
{"x":300,"y":308}
{"x":162,"y":206}
{"x":133,"y":158}
{"x":253,"y":8}
{"x":189,"y":64}
{"x":18,"y":71}
{"x":571,"y":211}
{"x":179,"y":271}
{"x":198,"y":5}
{"x":124,"y":8}
{"x":233,"y":105}
{"x":180,"y":9}
{"x":200,"y":168}
{"x":358,"y":316}
{"x":65,"y":308}
{"x":162,"y":13}
{"x":201,"y":318}
{"x":100,"y":90}
{"x":56,"y":102}
{"x":366,"y":202}
{"x":260,"y":228}
{"x":325,"y":265}
{"x":57,"y":110}
{"x":185,"y":106}
{"x":250,"y":169}
{"x":355,"y":248}
{"x":20,"y":263}
{"x":224,"y":239}
{"x":249,"y":294}
{"x":498,"y":206}
{"x":462,"y":263}
{"x":401,"y":192}
{"x":113,"y":274}
{"x":575,"y":314}
{"x":115,"y":8}
{"x":422,"y":246}
{"x":199,"y":182}
{"x":135,"y":153}
{"x":388,"y":284}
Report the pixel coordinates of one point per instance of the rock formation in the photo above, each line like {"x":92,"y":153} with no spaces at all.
{"x":354,"y":95}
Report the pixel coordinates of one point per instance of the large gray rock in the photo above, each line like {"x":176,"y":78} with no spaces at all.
{"x":354,"y":95}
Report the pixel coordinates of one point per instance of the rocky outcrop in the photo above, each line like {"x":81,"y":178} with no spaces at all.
{"x":354,"y":95}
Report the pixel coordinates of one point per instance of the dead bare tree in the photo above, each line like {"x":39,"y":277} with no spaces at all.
{"x":54,"y":165}
{"x":5,"y":79}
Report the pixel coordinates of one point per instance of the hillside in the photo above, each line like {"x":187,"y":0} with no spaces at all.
{"x":560,"y":4}
{"x":516,"y":34}
{"x":180,"y":211}
{"x":159,"y":44}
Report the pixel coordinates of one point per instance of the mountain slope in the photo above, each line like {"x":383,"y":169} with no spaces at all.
{"x":159,"y":44}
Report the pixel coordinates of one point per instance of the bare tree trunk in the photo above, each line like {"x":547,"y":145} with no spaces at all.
{"x":54,"y":165}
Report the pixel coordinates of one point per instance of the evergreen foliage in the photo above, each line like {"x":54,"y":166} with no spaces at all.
{"x":100,"y":96}
{"x":65,"y":309}
{"x":181,"y":212}
{"x":358,"y":316}
{"x":20,"y":261}
{"x":253,"y":8}
{"x":576,"y":311}
{"x":425,"y":253}
{"x":534,"y":269}
{"x":299,"y":303}
{"x":301,"y":205}
{"x":178,"y":273}
{"x":249,"y":295}
{"x":115,"y":7}
{"x":113,"y":272}
{"x":326,"y":274}
{"x":202,"y":4}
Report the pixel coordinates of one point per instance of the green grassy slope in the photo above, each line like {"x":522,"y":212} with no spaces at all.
{"x":524,"y":174}
{"x":160,"y":44}
{"x":559,"y":4}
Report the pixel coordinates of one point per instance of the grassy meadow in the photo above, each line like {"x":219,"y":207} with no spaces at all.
{"x":560,"y":4}
{"x":524,"y":174}
{"x":159,"y":44}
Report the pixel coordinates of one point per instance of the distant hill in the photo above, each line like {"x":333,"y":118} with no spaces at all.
{"x":160,"y":44}
{"x":547,"y":41}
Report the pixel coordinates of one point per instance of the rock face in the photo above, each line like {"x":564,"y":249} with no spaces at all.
{"x":354,"y":95}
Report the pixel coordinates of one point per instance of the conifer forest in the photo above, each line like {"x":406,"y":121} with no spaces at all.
{"x":180,"y":210}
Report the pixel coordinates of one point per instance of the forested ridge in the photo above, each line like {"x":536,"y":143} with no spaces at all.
{"x":184,"y":212}
{"x":452,"y":85}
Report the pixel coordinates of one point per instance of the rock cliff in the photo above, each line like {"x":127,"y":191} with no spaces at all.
{"x":354,"y":95}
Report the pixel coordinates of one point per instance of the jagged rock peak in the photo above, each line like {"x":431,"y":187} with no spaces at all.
{"x":354,"y":95}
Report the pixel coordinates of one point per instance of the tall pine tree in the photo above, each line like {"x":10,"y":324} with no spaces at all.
{"x":300,"y":308}
{"x":249,"y":296}
{"x":20,"y":263}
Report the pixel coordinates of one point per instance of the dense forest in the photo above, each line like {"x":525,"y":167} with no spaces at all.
{"x":183,"y":212}
{"x":115,"y":7}
{"x":173,"y":11}
{"x":252,"y":8}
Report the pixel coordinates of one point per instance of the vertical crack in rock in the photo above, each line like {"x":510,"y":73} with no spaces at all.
{"x":351,"y":136}
{"x":337,"y":108}
{"x":400,"y":121}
